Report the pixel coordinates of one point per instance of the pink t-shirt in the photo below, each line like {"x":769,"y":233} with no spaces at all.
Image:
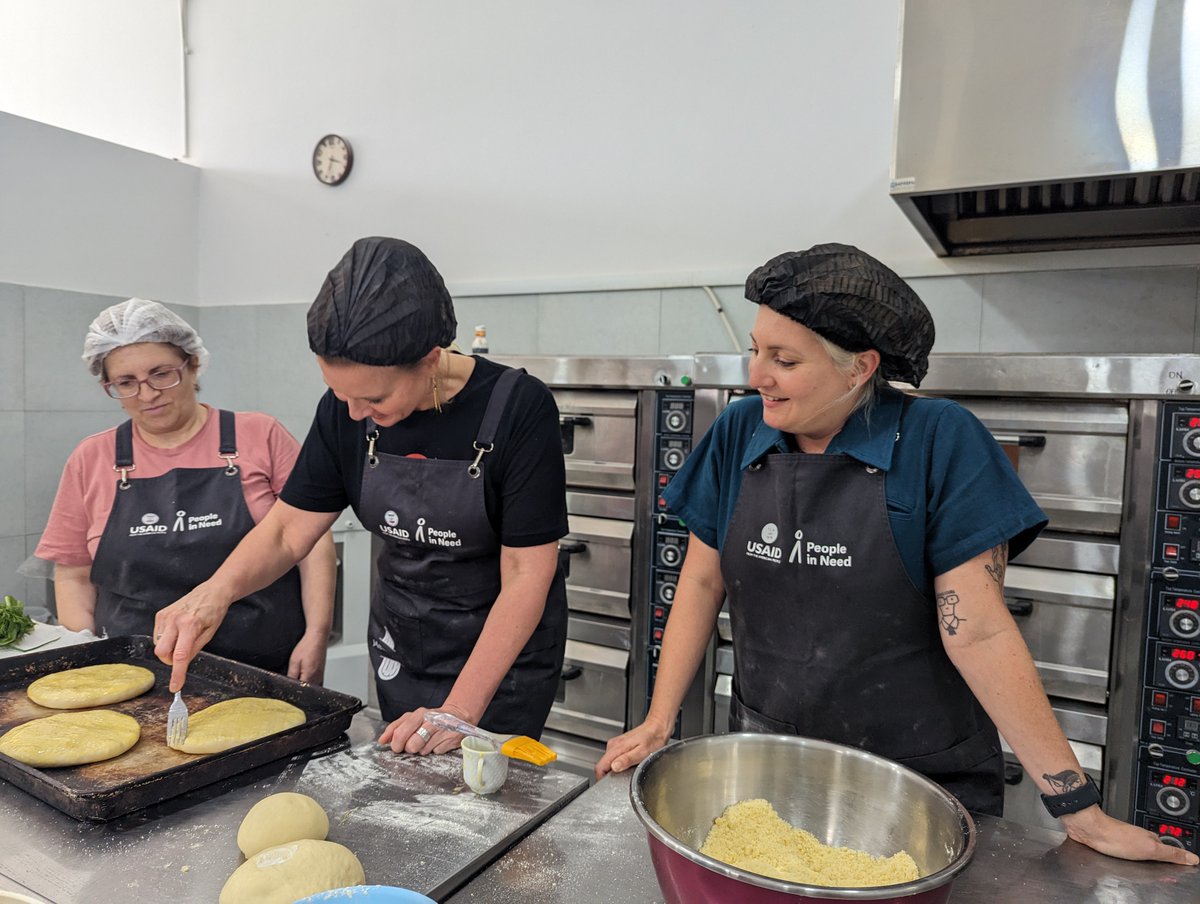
{"x":266,"y":453}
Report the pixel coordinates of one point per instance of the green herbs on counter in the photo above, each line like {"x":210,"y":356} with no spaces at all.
{"x":14,"y":623}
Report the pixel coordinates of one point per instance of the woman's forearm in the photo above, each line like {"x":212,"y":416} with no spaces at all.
{"x":694,"y":611}
{"x":318,"y":583}
{"x":75,"y":597}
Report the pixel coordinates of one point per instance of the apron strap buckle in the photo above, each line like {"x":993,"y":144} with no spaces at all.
{"x":372,"y":458}
{"x":474,"y":470}
{"x":230,"y":468}
{"x":124,"y":471}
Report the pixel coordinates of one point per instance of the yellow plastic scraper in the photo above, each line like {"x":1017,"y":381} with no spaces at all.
{"x":517,"y":747}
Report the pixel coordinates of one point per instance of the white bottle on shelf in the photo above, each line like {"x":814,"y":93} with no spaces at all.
{"x":479,"y":345}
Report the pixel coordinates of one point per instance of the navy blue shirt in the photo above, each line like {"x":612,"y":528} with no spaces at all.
{"x":951,"y":491}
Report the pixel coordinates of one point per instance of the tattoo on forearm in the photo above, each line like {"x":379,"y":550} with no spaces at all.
{"x":999,"y":563}
{"x":947,"y":602}
{"x":1062,"y":782}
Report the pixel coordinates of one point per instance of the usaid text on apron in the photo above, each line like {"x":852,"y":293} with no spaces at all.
{"x":832,"y":640}
{"x":437,"y":577}
{"x":167,"y":534}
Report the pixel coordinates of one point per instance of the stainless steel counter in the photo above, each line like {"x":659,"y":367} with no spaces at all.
{"x":595,"y":850}
{"x":410,"y":820}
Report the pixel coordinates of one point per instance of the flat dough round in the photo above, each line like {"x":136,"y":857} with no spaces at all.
{"x":92,"y":685}
{"x":238,"y":721}
{"x":281,"y":875}
{"x":280,"y":818}
{"x":71,"y":739}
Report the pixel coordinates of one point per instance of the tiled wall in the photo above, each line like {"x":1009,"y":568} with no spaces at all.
{"x":48,"y":402}
{"x":260,"y":357}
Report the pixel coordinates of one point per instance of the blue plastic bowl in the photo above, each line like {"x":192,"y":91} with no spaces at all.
{"x":368,"y":894}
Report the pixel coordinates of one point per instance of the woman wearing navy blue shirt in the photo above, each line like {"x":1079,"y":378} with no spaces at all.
{"x":861,"y":536}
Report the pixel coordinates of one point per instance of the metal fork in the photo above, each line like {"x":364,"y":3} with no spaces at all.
{"x":177,"y":718}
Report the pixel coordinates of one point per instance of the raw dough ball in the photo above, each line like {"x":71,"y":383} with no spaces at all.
{"x":281,"y":818}
{"x":281,"y":875}
{"x":71,"y":739}
{"x":238,"y":721}
{"x":92,"y":685}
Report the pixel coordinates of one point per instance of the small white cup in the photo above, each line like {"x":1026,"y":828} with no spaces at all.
{"x":484,"y":767}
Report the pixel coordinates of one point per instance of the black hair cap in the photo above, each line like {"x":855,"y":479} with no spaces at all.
{"x":854,"y":301}
{"x":384,"y":304}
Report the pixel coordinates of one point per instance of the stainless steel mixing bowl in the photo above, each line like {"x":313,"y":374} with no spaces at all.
{"x":843,"y":796}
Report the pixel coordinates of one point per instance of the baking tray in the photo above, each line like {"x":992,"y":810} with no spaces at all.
{"x":151,"y":772}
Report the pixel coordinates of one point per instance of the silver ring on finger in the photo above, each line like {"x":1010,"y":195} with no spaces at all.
{"x":424,"y":733}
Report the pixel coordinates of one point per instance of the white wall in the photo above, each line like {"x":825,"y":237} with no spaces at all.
{"x":535,"y":144}
{"x":112,"y":69}
{"x":529,"y":146}
{"x":85,"y":215}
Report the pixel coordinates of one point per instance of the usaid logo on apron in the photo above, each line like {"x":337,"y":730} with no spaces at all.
{"x":390,"y":529}
{"x":149,"y":525}
{"x":766,"y":548}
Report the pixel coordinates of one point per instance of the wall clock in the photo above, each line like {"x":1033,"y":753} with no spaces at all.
{"x":332,"y":159}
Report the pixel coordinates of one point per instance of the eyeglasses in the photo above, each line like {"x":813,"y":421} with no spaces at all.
{"x":160,"y":378}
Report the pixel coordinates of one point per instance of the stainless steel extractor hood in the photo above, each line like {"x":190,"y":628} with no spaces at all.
{"x":1027,"y":125}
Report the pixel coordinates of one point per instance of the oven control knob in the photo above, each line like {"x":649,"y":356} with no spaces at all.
{"x":1191,"y":443}
{"x":673,"y":461}
{"x":1189,"y":494}
{"x":1172,"y":800}
{"x":1184,"y":623}
{"x":1171,"y":840}
{"x":666,"y":592}
{"x":1182,"y":675}
{"x":670,"y":555}
{"x":676,"y":422}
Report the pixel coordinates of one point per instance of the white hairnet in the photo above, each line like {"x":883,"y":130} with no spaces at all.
{"x":138,"y":320}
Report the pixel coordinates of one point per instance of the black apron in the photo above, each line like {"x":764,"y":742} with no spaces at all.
{"x":167,"y":534}
{"x":436,"y":579}
{"x":832,"y":640}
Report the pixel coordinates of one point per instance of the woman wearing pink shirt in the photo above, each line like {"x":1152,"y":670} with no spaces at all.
{"x":149,"y":509}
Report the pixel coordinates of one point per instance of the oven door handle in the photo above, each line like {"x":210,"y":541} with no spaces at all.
{"x":1029,"y":440}
{"x":567,"y":549}
{"x":566,"y":426}
{"x":571,"y":672}
{"x":1020,"y":608}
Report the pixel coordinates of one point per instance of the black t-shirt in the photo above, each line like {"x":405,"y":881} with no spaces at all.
{"x":524,"y":477}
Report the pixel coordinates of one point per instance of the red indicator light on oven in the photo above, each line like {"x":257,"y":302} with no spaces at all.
{"x":658,"y":633}
{"x":1175,"y":781}
{"x":1183,"y":653}
{"x":662,"y":480}
{"x":1174,"y":522}
{"x":659,"y":612}
{"x":1158,"y":728}
{"x":1173,"y":831}
{"x":1191,"y":473}
{"x":1194,"y":422}
{"x":1196,"y":705}
{"x":1170,"y":551}
{"x":662,"y":503}
{"x":1159,"y":699}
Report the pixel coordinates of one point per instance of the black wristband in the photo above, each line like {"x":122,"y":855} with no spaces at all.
{"x":1081,"y":798}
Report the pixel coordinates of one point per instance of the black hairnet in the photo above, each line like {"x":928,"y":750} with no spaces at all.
{"x":854,"y":301}
{"x":383,"y":304}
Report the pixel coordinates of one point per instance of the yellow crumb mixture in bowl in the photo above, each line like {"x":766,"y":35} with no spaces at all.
{"x":752,"y":836}
{"x":779,"y":819}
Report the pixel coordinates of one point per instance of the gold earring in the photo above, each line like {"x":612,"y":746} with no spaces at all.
{"x":437,"y":405}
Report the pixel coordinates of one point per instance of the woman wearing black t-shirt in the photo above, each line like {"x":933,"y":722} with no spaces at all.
{"x":455,"y":462}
